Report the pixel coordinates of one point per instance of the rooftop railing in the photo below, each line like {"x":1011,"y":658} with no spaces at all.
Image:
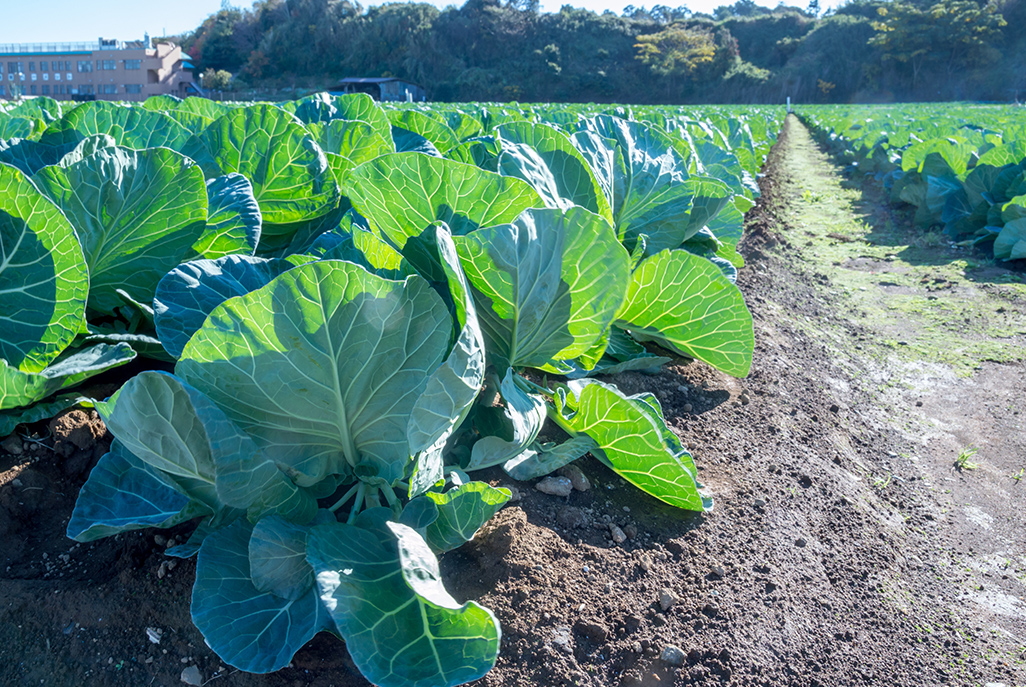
{"x":32,"y":48}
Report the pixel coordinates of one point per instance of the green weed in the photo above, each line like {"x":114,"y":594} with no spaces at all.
{"x":964,"y":462}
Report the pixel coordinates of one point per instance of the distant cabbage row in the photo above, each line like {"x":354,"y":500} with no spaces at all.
{"x":363,"y":305}
{"x":963,"y":167}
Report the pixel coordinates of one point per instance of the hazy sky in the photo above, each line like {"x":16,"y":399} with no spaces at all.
{"x":31,"y":21}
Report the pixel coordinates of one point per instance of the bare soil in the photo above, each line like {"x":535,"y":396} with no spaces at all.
{"x":845,"y":547}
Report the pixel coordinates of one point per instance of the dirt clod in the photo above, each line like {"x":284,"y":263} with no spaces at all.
{"x":12,"y":444}
{"x":76,"y":429}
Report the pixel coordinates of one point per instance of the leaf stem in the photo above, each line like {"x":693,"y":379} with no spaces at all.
{"x":345,"y":497}
{"x":393,"y":502}
{"x":557,"y":417}
{"x":531,"y":386}
{"x":358,"y":503}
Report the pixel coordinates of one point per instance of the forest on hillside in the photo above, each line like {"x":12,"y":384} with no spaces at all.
{"x":494,"y":50}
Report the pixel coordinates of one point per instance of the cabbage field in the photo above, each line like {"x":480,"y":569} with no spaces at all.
{"x":962,"y":167}
{"x":362,"y":306}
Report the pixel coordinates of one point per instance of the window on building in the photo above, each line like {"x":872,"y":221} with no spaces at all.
{"x":109,"y":89}
{"x":85,"y":66}
{"x":32,"y":66}
{"x":107,"y":65}
{"x":1,"y":89}
{"x":68,"y":76}
{"x":86,"y":89}
{"x":32,"y":90}
{"x":34,"y":76}
{"x":44,"y":66}
{"x":57,"y":76}
{"x":46,"y":90}
{"x":12,"y":68}
{"x":46,"y":77}
{"x":134,"y":88}
{"x":133,"y":65}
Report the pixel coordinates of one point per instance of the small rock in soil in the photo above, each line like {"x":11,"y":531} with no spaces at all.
{"x":12,"y":444}
{"x":561,"y":639}
{"x":577,"y":477}
{"x":617,"y":534}
{"x":687,"y":407}
{"x":759,"y":503}
{"x":192,"y":676}
{"x":835,"y":408}
{"x":667,"y":598}
{"x":800,"y":542}
{"x":571,"y":517}
{"x":593,"y":631}
{"x":718,"y":572}
{"x":711,"y":610}
{"x":672,"y":655}
{"x":556,"y":486}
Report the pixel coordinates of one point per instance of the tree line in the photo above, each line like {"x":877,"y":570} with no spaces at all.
{"x":504,"y":50}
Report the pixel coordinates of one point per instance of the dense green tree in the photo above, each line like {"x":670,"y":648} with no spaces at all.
{"x":954,"y":33}
{"x":509,"y":50}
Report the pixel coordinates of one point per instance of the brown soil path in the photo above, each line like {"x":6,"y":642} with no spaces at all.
{"x":845,"y":548}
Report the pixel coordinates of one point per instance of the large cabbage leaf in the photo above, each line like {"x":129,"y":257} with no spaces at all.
{"x":633,"y":440}
{"x":289,"y":173}
{"x":323,"y":366}
{"x":176,"y":429}
{"x":131,"y":127}
{"x":191,"y":291}
{"x":18,"y":388}
{"x":404,"y":193}
{"x":137,"y":213}
{"x":252,"y":630}
{"x":381,"y":584}
{"x":545,"y":158}
{"x":44,"y":282}
{"x":547,"y":286}
{"x":685,"y":303}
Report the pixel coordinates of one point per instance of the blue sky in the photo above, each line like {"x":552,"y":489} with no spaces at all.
{"x":30,"y":21}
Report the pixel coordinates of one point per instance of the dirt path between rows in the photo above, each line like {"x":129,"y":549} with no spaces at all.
{"x":845,"y":547}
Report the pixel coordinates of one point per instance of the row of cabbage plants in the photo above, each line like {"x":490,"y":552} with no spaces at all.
{"x":362,"y":306}
{"x":961,"y":166}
